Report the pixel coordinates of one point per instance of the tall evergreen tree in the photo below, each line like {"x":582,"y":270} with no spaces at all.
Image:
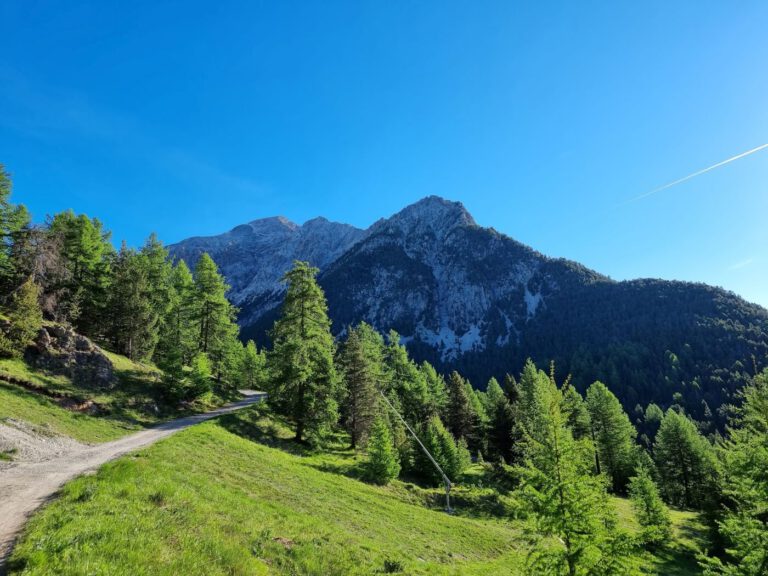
{"x":685,"y":462}
{"x":133,"y":321}
{"x":461,"y":418}
{"x":613,"y":435}
{"x":577,"y":413}
{"x":215,"y":318}
{"x":444,"y":449}
{"x":501,"y":422}
{"x":569,"y":504}
{"x":303,"y":377}
{"x":361,"y":364}
{"x":87,"y":253}
{"x":438,"y":391}
{"x":744,"y":456}
{"x":179,"y":333}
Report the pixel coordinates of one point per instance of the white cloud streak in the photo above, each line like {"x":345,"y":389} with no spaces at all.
{"x":742,"y":264}
{"x":694,"y":175}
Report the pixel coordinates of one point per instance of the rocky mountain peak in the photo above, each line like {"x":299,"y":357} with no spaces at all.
{"x":432,"y":215}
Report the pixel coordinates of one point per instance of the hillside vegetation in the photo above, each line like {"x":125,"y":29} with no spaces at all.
{"x":236,"y":496}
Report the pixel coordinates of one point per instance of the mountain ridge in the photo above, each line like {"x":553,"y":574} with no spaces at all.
{"x":467,"y":297}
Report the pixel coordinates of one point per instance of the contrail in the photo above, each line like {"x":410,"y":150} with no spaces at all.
{"x":699,"y":173}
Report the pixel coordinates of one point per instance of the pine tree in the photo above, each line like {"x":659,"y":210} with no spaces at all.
{"x":361,"y":364}
{"x":382,"y":464}
{"x":25,"y":319}
{"x":744,"y":456}
{"x":569,"y":504}
{"x":577,"y":413}
{"x":303,"y":377}
{"x":613,"y":435}
{"x":460,"y":414}
{"x":685,"y":462}
{"x":651,"y":512}
{"x":199,"y":382}
{"x":133,"y":322}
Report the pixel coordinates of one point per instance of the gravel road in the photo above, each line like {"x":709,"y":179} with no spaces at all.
{"x":26,"y":486}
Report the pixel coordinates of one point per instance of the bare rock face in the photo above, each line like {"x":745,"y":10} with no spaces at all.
{"x":60,"y":350}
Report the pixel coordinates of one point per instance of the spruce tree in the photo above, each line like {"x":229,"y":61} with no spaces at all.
{"x":438,"y":391}
{"x":303,"y":376}
{"x":613,"y":435}
{"x":685,"y":462}
{"x":744,"y":456}
{"x":382,"y":464}
{"x":25,"y":319}
{"x":651,"y":512}
{"x":577,"y":413}
{"x":501,"y":422}
{"x":444,"y":449}
{"x":361,"y":364}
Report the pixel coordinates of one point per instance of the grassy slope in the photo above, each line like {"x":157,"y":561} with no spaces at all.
{"x":124,"y":407}
{"x":234,"y":497}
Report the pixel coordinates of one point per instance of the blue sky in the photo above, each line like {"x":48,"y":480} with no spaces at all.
{"x":543,"y":118}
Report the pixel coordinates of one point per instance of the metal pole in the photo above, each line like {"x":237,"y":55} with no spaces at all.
{"x":446,"y":481}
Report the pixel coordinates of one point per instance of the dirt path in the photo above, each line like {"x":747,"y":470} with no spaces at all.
{"x":25,"y":487}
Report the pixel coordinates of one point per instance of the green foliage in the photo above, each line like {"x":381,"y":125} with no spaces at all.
{"x":613,"y":435}
{"x":408,"y":382}
{"x":451,"y":457}
{"x":14,"y":219}
{"x":200,"y":376}
{"x":685,"y":462}
{"x":438,"y":391}
{"x":178,"y":329}
{"x":215,"y":318}
{"x":568,"y":504}
{"x":461,"y":417}
{"x":81,"y":291}
{"x":134,"y":318}
{"x":744,"y":456}
{"x":25,"y":318}
{"x":362,"y":367}
{"x":253,"y":368}
{"x":303,"y":376}
{"x":651,"y":512}
{"x":382,"y":464}
{"x":502,"y":426}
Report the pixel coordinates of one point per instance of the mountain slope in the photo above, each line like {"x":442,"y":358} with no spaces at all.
{"x":469,"y":298}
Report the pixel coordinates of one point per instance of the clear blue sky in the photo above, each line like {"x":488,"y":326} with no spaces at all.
{"x":188,"y":118}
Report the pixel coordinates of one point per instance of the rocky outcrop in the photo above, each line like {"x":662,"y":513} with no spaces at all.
{"x":60,"y":350}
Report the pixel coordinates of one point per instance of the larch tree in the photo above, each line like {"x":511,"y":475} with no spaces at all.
{"x":569,"y":504}
{"x":14,"y":219}
{"x":382,"y":464}
{"x":408,"y":382}
{"x":179,"y":333}
{"x":253,"y":367}
{"x":685,"y":462}
{"x":743,"y":524}
{"x":303,"y":376}
{"x":361,"y":364}
{"x":613,"y":435}
{"x":651,"y":512}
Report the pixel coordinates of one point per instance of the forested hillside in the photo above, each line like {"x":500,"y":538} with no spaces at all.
{"x":468,"y":298}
